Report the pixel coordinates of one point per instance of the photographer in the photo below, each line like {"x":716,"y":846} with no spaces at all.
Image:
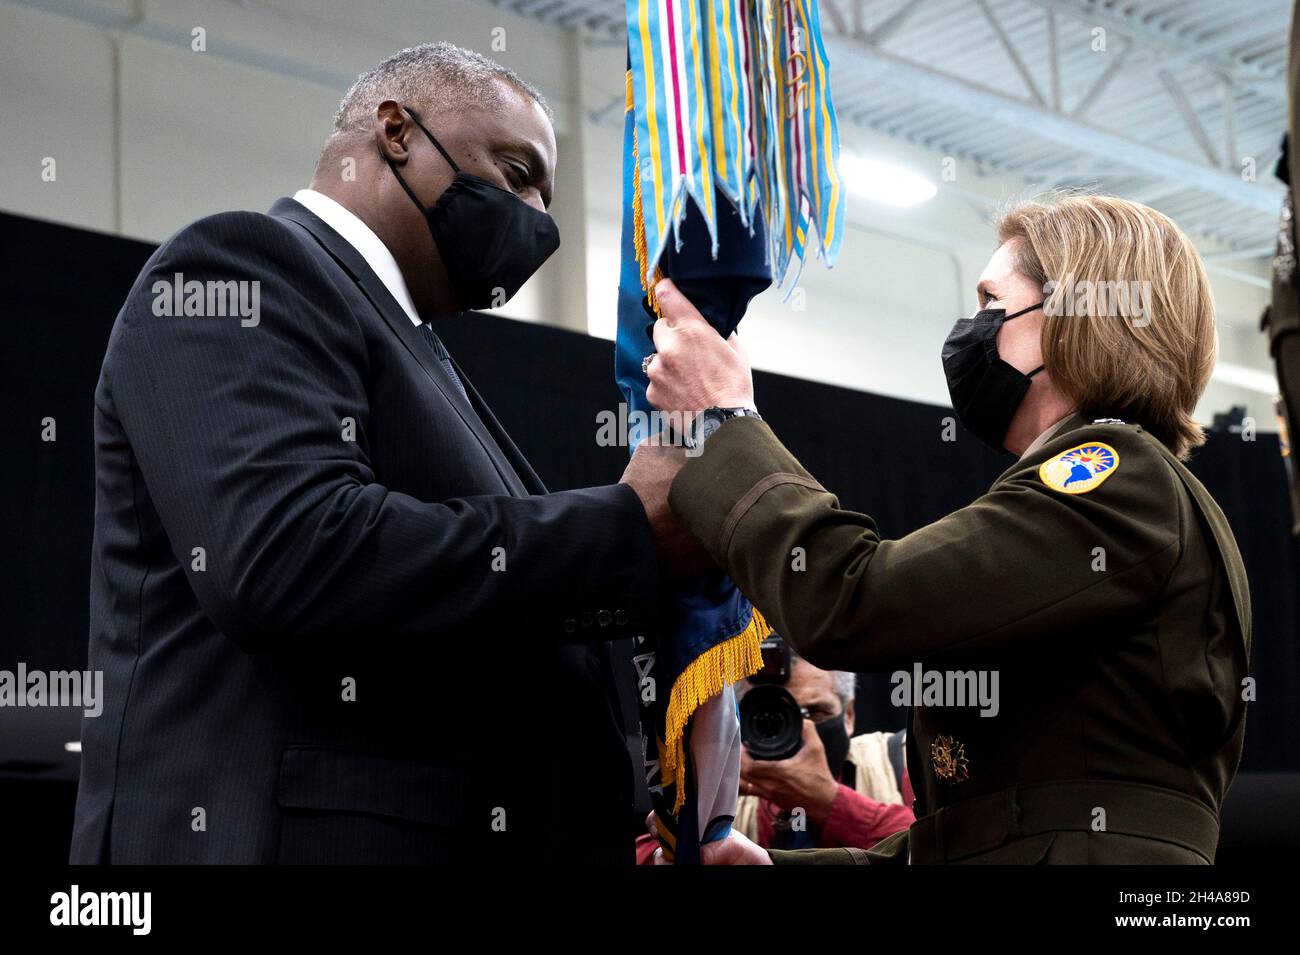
{"x":835,"y":789}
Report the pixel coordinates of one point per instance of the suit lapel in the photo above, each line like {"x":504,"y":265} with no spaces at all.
{"x":514,"y":456}
{"x":354,"y":263}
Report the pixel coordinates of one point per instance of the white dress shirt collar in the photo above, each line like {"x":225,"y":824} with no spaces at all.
{"x":360,"y":237}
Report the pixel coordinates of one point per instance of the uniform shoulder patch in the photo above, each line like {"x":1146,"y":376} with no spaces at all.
{"x":1080,"y":469}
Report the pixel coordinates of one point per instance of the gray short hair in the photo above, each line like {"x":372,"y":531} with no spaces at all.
{"x":846,"y":686}
{"x":435,"y":77}
{"x":845,"y":683}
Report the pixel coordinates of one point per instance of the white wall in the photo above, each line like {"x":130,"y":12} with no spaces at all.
{"x":148,"y":135}
{"x":233,"y":127}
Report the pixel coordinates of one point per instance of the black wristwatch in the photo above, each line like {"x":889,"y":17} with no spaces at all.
{"x":710,"y":420}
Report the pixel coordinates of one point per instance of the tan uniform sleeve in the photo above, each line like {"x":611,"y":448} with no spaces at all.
{"x":1020,"y":562}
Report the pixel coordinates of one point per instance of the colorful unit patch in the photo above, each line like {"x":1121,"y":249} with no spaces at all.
{"x":1080,"y":469}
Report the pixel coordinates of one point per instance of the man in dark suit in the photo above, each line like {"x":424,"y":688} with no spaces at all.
{"x":310,"y":528}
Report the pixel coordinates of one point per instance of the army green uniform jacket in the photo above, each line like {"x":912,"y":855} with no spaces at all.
{"x":1096,"y":576}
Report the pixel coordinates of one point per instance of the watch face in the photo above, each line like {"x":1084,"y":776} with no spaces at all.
{"x":705,"y":423}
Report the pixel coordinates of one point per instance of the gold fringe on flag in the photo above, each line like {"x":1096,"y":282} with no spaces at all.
{"x":638,"y":213}
{"x":704,"y":678}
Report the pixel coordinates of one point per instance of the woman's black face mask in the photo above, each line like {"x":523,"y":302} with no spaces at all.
{"x":491,"y":241}
{"x":985,"y":390}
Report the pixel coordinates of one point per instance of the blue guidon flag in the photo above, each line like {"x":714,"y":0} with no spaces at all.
{"x":730,"y":177}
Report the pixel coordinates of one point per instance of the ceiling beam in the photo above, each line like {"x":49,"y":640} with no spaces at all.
{"x":1172,"y":48}
{"x":870,"y":63}
{"x":1099,"y":85}
{"x":1190,"y":119}
{"x":1012,"y":53}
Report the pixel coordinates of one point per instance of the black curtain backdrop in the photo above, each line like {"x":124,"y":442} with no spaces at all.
{"x":62,"y":287}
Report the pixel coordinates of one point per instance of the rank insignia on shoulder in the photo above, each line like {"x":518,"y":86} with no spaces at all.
{"x":1080,"y":469}
{"x":948,"y":757}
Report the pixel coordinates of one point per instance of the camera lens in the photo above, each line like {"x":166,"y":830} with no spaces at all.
{"x":771,"y":722}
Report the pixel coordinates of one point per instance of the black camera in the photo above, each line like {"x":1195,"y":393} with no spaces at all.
{"x":771,"y":722}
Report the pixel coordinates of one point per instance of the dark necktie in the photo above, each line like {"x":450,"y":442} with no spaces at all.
{"x":440,"y":350}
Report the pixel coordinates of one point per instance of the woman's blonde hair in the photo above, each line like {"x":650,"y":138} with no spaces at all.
{"x":1129,"y":330}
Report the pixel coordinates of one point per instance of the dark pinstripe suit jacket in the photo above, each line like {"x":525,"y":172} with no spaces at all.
{"x":338,"y":615}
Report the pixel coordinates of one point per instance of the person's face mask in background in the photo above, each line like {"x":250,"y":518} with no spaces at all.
{"x":835,"y":740}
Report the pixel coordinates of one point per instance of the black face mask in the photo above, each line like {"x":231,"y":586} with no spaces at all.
{"x":985,"y":390}
{"x":835,"y":740}
{"x":490,"y":240}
